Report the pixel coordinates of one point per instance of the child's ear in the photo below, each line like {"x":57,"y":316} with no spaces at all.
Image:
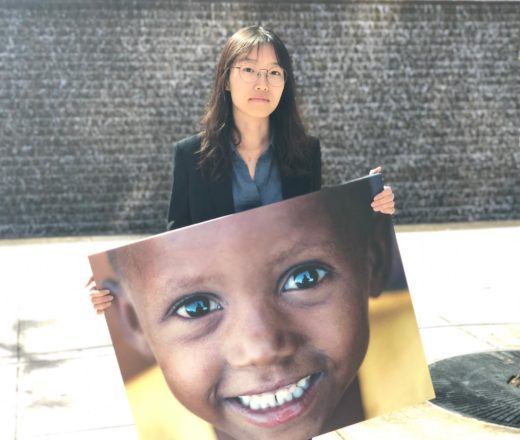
{"x":380,"y":254}
{"x":128,"y":322}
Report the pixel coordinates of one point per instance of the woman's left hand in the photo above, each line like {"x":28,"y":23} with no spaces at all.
{"x":384,"y":201}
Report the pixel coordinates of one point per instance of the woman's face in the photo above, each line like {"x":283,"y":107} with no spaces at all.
{"x":258,"y":320}
{"x":243,"y":94}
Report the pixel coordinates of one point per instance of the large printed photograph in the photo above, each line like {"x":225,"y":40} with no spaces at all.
{"x":285,"y":321}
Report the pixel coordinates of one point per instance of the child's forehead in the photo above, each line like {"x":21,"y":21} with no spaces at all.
{"x":306,"y":217}
{"x":257,"y":233}
{"x":306,"y":220}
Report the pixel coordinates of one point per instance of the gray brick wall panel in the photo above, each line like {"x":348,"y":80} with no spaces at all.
{"x":94,"y":94}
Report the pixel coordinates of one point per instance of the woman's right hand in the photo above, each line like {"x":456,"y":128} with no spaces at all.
{"x":101,"y":298}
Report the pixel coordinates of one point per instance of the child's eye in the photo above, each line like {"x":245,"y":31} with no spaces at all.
{"x":197,"y":307}
{"x":304,"y":278}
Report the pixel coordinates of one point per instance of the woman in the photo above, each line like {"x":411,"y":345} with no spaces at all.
{"x":253,"y":149}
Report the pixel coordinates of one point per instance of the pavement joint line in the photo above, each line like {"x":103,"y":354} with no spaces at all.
{"x":477,"y":338}
{"x":18,"y":370}
{"x":71,"y":350}
{"x":500,"y":324}
{"x":46,"y":435}
{"x":462,"y":417}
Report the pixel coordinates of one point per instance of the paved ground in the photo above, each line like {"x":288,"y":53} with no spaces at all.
{"x":59,"y":377}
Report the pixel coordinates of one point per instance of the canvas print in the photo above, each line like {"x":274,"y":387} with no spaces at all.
{"x":285,"y":321}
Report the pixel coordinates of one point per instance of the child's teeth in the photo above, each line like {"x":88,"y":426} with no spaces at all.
{"x":255,"y":402}
{"x":265,"y":401}
{"x":281,"y":396}
{"x":298,"y":392}
{"x":272,"y":400}
{"x":304,"y":383}
{"x":244,"y":400}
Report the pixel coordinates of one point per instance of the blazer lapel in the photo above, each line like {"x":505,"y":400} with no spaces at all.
{"x":293,"y":186}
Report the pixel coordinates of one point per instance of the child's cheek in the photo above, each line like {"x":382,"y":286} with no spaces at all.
{"x":192,"y":380}
{"x":340,"y":330}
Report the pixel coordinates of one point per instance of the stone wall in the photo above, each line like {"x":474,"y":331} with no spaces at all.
{"x":94,"y":94}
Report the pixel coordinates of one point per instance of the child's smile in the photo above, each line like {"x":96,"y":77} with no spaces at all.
{"x":279,"y":404}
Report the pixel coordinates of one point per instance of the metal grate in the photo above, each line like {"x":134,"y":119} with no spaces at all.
{"x":479,"y":385}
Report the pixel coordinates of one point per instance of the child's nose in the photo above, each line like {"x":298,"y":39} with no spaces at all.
{"x":262,"y":337}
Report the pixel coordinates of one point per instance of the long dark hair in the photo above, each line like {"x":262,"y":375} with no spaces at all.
{"x":292,"y":143}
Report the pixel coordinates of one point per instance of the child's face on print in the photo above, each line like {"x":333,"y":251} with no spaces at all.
{"x":261,"y":332}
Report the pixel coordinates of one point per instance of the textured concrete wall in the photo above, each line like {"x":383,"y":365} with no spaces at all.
{"x":94,"y":94}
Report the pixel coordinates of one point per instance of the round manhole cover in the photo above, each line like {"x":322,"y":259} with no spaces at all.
{"x":481,"y":385}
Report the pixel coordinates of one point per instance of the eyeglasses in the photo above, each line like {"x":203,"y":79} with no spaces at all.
{"x":249,"y":74}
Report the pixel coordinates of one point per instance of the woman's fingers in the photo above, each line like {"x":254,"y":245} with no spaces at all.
{"x":100,"y":292}
{"x":382,"y":198}
{"x":386,"y":193}
{"x":384,"y":201}
{"x":375,"y":170}
{"x":387,"y":208}
{"x":101,"y":299}
{"x":101,"y":304}
{"x":100,"y":308}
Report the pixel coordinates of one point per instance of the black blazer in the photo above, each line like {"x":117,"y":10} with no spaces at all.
{"x":194,"y":199}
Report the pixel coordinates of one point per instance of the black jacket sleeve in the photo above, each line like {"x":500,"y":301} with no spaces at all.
{"x":179,"y":210}
{"x":316,"y":167}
